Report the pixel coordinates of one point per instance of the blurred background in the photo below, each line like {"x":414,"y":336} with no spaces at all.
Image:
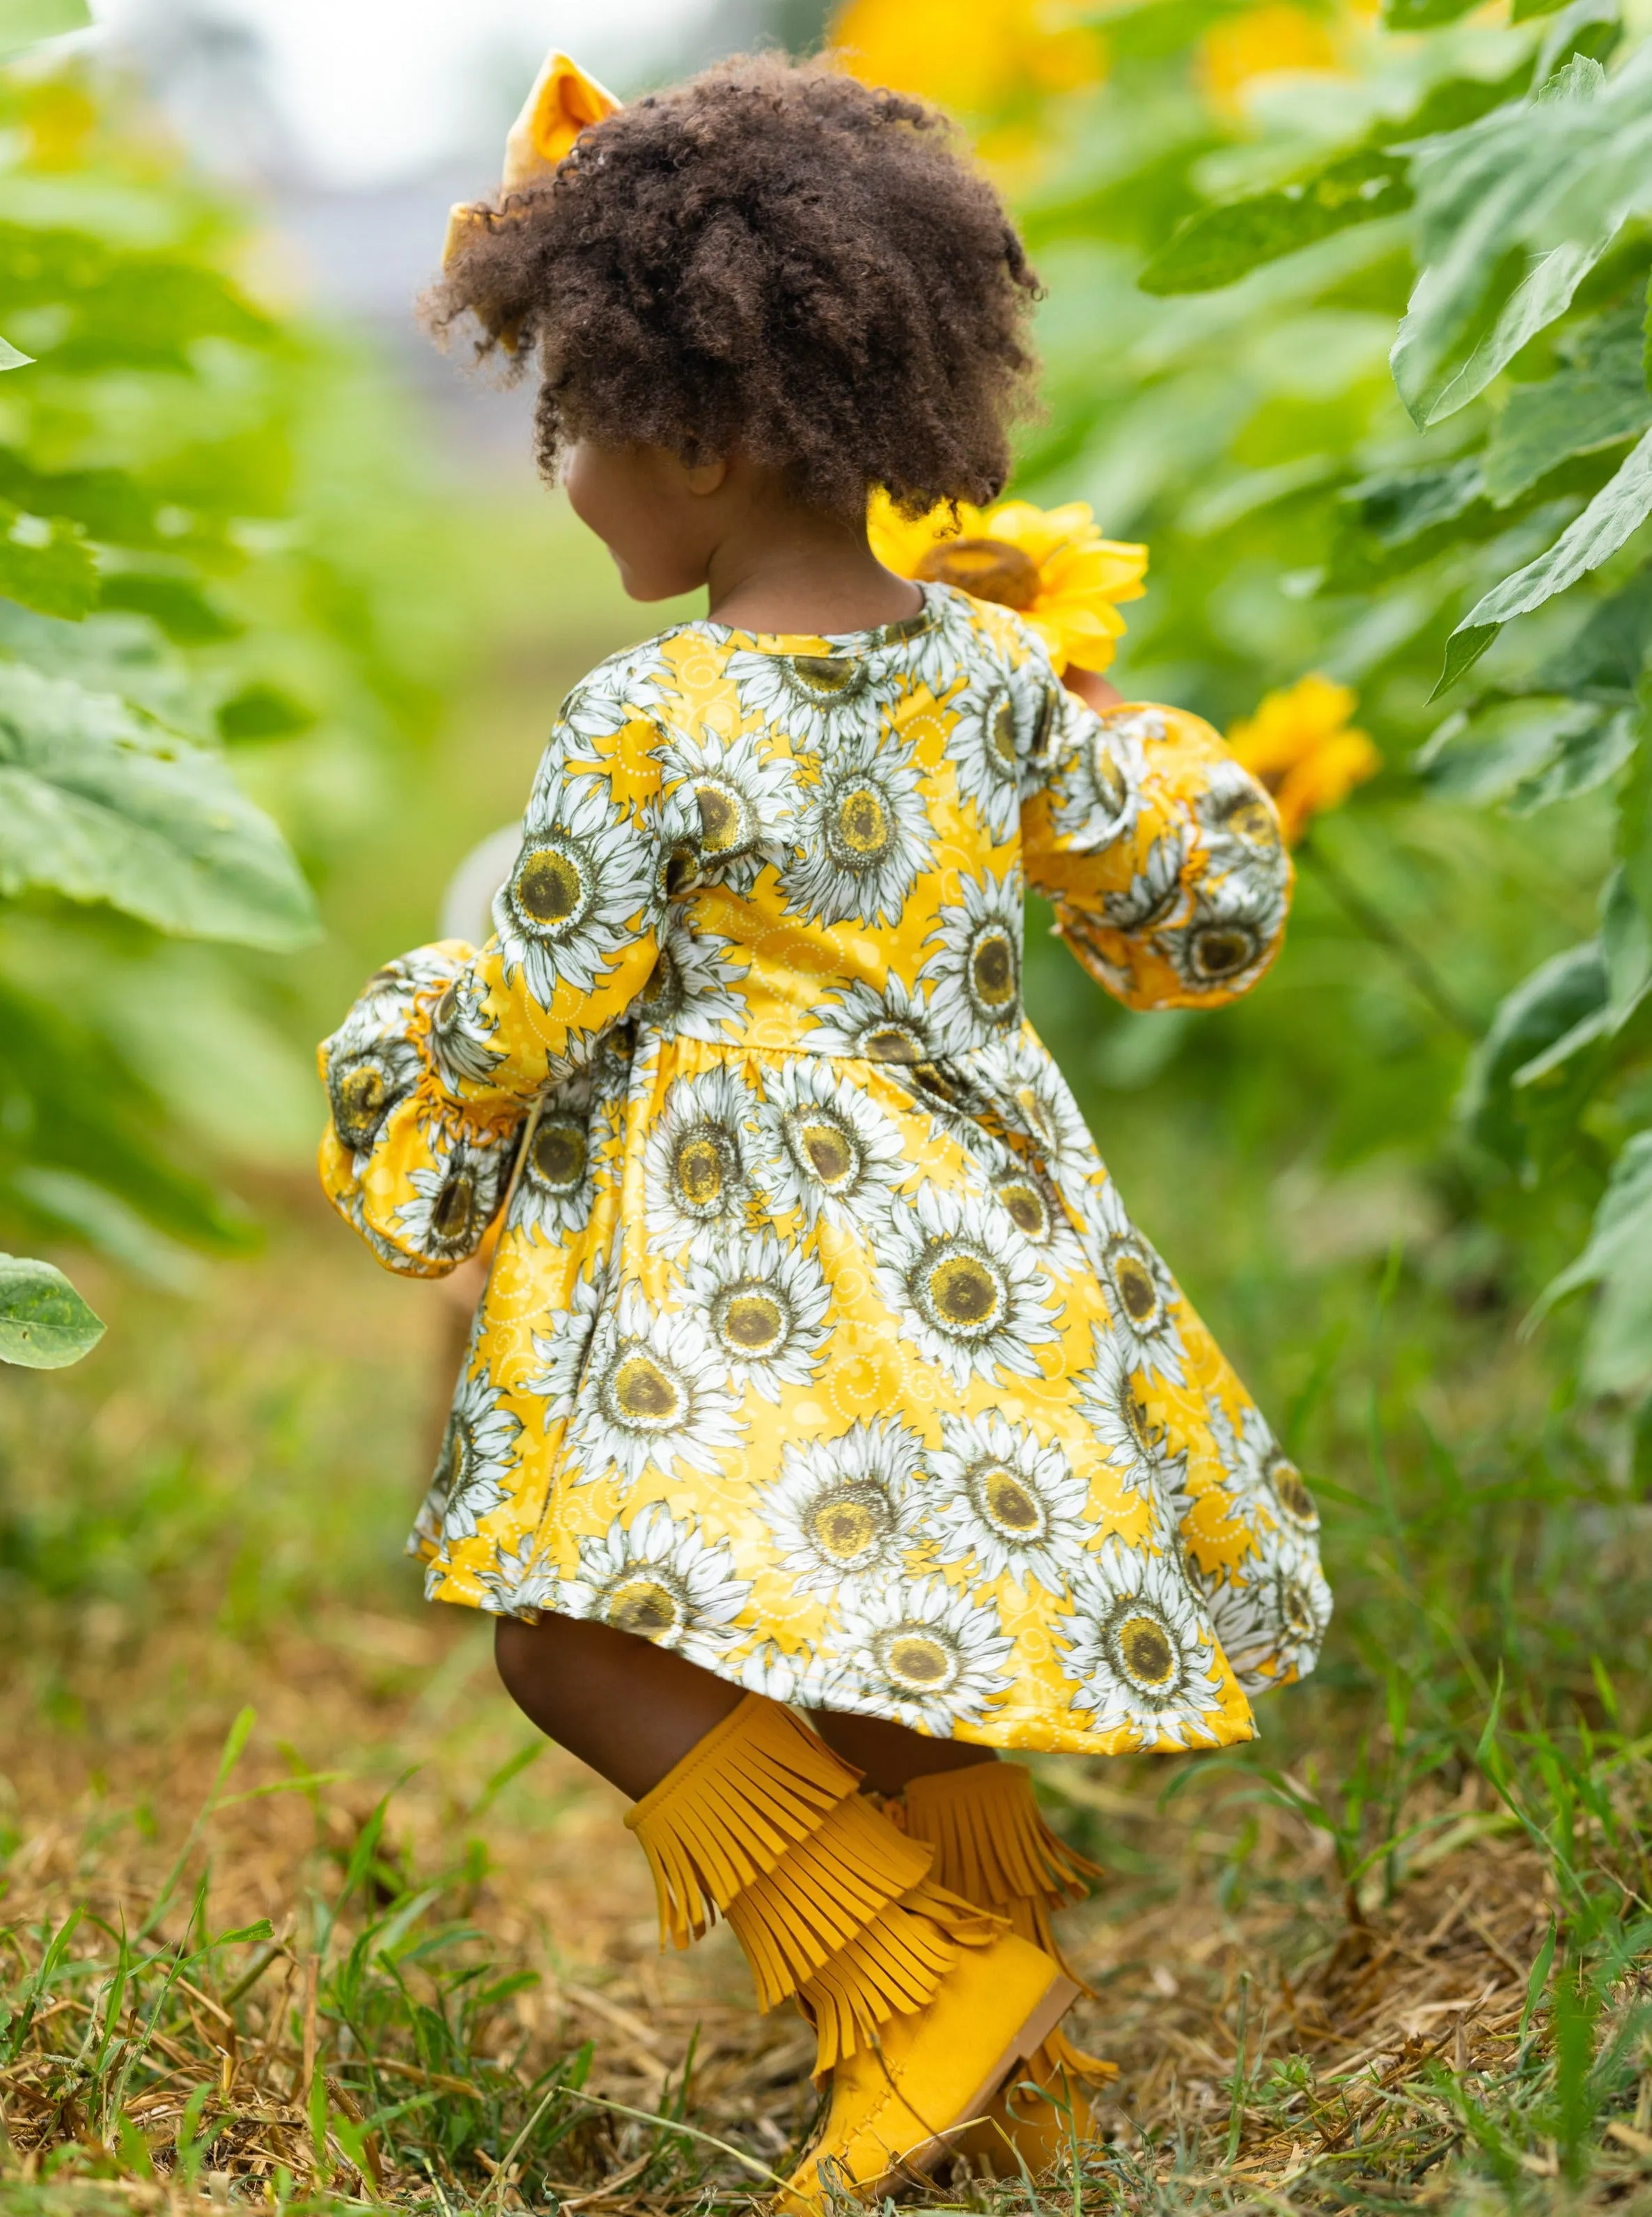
{"x":305,"y":558}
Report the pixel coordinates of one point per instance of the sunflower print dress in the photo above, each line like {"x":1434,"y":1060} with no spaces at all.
{"x":818,"y":1344}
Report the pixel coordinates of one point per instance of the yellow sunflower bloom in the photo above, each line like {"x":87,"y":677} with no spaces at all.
{"x":1260,"y":42}
{"x":1051,"y":564}
{"x":976,"y":60}
{"x":1301,"y":745}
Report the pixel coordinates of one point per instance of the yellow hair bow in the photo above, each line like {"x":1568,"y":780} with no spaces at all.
{"x":564,"y":102}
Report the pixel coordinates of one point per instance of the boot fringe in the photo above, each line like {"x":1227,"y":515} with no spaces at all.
{"x":892,"y":1967}
{"x":1059,"y":2054}
{"x":992,"y":1845}
{"x":833,"y":1885}
{"x":756,"y":1786}
{"x":990,"y":1838}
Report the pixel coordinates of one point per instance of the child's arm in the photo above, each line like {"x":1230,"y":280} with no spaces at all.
{"x":431,"y":1073}
{"x":1161,"y":855}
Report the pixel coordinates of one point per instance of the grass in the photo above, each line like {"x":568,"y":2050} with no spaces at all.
{"x":294,"y":1908}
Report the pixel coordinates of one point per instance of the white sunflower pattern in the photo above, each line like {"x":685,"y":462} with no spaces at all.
{"x":818,"y":1344}
{"x":842,"y":1513}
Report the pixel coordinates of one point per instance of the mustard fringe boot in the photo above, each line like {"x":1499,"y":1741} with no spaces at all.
{"x":992,"y":1845}
{"x":922,"y":2002}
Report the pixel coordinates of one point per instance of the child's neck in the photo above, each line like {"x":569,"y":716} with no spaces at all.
{"x":800,"y":571}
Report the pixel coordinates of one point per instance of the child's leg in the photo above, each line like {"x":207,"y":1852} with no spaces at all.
{"x":629,"y":1709}
{"x":888,"y":1754}
{"x":920,"y":2003}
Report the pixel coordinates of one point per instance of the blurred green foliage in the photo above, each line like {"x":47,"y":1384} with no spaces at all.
{"x":182,"y":610}
{"x":1363,"y":356}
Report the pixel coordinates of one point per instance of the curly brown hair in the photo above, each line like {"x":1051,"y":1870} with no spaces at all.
{"x":772,"y":257}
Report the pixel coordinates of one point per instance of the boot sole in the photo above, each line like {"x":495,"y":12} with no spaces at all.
{"x":1057,"y":1999}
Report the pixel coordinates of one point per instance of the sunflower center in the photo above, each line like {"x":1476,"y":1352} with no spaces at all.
{"x":826,"y":1151}
{"x":892,"y":1042}
{"x":363,"y":1096}
{"x":1297,"y":1608}
{"x":1137,"y":1290}
{"x":454,"y":1208}
{"x":962,"y":1293}
{"x":849,"y":1523}
{"x":749,"y":1321}
{"x":1008,"y":1503}
{"x":703,"y":1165}
{"x":939,"y":1084}
{"x":1028,"y":1210}
{"x":1036,"y":1111}
{"x":992,"y":970}
{"x":1292,"y":1495}
{"x":828,"y":677}
{"x":549,"y":888}
{"x":662,"y":989}
{"x":644,"y":1394}
{"x":862,"y":822}
{"x":678,"y":869}
{"x":918,"y":1661}
{"x":1221,"y":951}
{"x":644,"y":1605}
{"x":991,"y":569}
{"x":1147,"y":1652}
{"x":457,"y":1450}
{"x":1000,"y":733}
{"x":559,"y":1151}
{"x":1248,"y":820}
{"x":722,"y":818}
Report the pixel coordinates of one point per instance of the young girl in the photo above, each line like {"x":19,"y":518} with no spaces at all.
{"x":821,"y":1370}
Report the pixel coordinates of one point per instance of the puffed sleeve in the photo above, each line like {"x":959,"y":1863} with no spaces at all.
{"x":1161,"y":855}
{"x":430,"y":1075}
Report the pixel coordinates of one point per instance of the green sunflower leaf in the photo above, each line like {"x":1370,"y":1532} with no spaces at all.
{"x":1618,"y":510}
{"x":1601,"y":400}
{"x":45,"y":563}
{"x":1511,"y":214}
{"x":1221,"y":244}
{"x":25,"y":23}
{"x":43,"y":1323}
{"x":103,"y":805}
{"x":1564,"y":992}
{"x":1617,"y":1262}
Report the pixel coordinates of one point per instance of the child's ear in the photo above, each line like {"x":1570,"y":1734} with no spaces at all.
{"x":564,"y":103}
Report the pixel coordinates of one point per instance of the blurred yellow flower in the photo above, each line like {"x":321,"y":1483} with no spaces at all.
{"x":1258,"y":42}
{"x":977,"y":58}
{"x":1050,"y":563}
{"x":1302,"y":747}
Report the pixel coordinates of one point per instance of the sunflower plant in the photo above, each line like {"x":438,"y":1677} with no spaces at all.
{"x":1301,"y":744}
{"x":174,"y":635}
{"x":1051,"y":564}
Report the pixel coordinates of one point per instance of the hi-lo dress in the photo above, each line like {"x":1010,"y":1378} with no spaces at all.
{"x":818,"y":1344}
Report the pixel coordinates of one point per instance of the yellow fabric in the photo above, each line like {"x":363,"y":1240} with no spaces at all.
{"x":819,"y":1345}
{"x":756,"y":1785}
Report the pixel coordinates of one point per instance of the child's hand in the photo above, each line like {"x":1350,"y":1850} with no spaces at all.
{"x":1091,"y":688}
